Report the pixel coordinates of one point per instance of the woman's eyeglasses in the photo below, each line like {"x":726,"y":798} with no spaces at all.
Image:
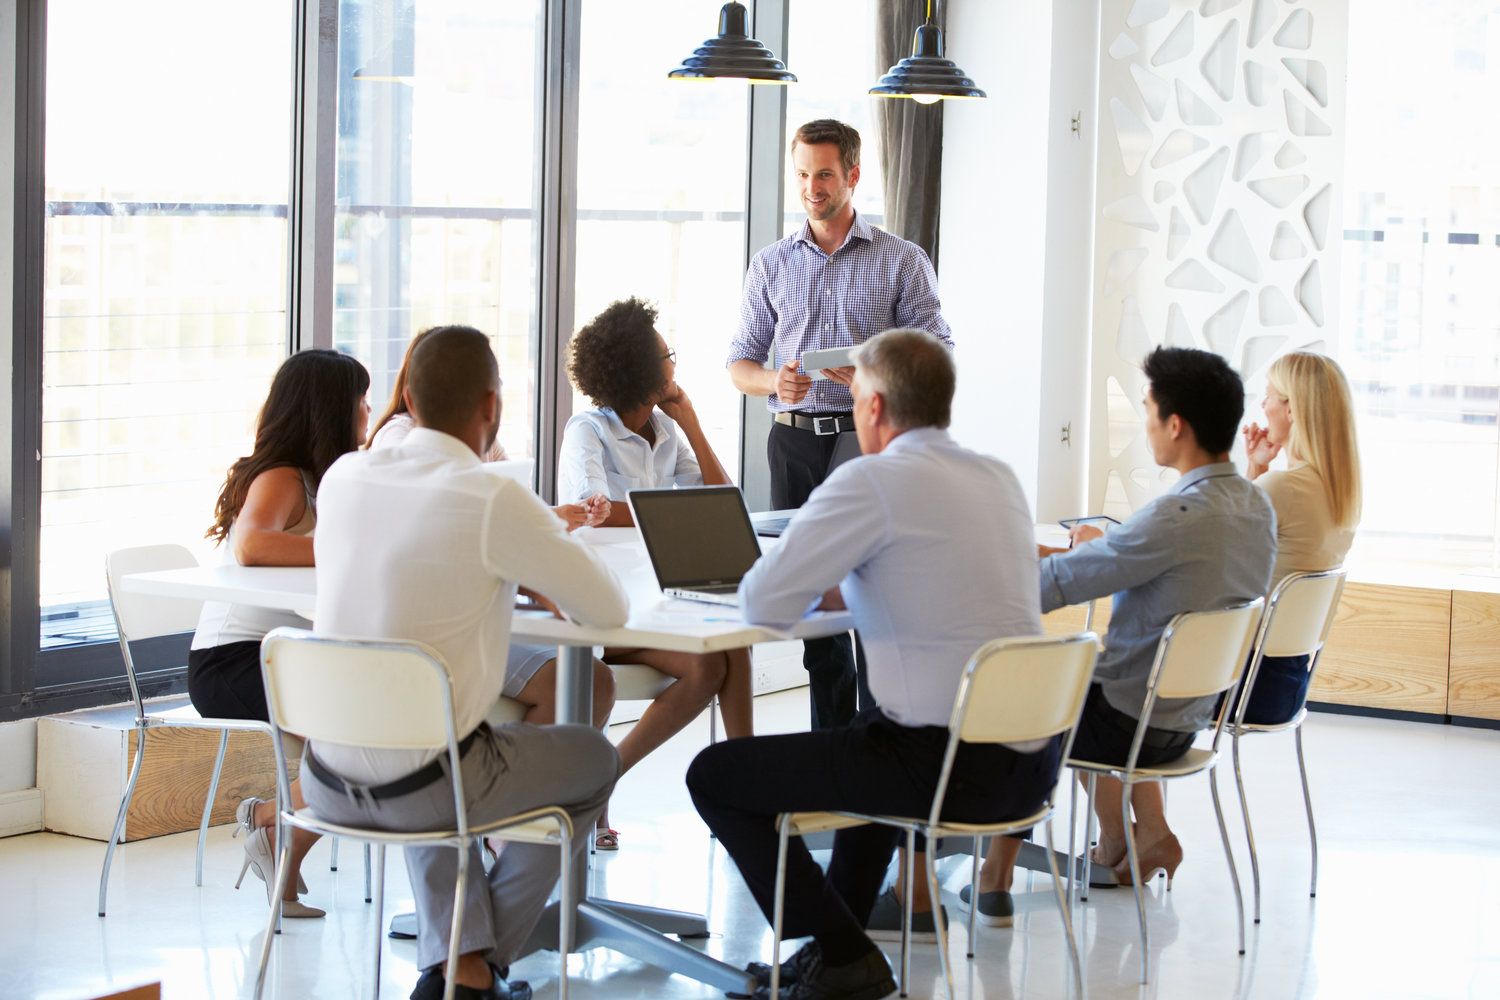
{"x":670,"y":356}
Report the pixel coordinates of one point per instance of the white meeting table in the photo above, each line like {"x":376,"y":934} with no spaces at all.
{"x":655,"y":622}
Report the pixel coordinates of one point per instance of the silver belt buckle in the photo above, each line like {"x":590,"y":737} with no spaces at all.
{"x":824,"y":426}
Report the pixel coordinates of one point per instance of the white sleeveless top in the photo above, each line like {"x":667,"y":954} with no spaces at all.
{"x":221,"y":623}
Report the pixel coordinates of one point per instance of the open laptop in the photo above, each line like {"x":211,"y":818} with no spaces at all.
{"x":700,"y":540}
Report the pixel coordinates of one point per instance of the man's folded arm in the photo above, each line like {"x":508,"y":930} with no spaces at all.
{"x":527,"y":543}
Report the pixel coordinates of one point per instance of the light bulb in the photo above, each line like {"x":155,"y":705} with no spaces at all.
{"x":926,"y":98}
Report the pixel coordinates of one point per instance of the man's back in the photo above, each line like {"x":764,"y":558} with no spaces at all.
{"x":419,"y":542}
{"x":942,"y":551}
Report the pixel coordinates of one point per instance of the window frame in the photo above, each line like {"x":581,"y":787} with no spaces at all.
{"x":36,"y":682}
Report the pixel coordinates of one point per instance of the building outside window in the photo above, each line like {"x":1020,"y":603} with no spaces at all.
{"x":166,"y":275}
{"x":1421,"y":279}
{"x":436,"y":217}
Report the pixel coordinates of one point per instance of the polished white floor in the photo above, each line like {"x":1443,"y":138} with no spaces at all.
{"x":1408,"y":902}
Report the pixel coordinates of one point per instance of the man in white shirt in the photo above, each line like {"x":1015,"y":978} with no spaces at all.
{"x":420,"y":542}
{"x":931,"y":547}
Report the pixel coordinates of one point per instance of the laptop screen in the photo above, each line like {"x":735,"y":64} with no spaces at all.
{"x":697,"y":537}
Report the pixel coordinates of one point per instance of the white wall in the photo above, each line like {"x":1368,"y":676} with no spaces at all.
{"x":994,"y":225}
{"x":1015,"y":254}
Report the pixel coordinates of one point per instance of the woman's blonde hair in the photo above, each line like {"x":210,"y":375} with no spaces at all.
{"x":1323,"y":436}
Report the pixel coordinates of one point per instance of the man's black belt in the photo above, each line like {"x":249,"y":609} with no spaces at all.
{"x":417,"y":780}
{"x":1156,"y":739}
{"x":821,"y":424}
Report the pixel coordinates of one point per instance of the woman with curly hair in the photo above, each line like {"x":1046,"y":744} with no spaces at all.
{"x":630,"y":442}
{"x":315,"y":412}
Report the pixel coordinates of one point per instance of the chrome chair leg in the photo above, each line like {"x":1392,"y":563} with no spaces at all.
{"x":379,"y":896}
{"x":1133,"y":854}
{"x":1062,"y":907}
{"x":208,"y":806}
{"x":933,"y":890}
{"x":1088,"y":838}
{"x":333,"y":854}
{"x":1234,"y":875}
{"x":456,"y":931}
{"x":1239,"y":781}
{"x":1312,"y":830}
{"x":114,"y":837}
{"x":777,"y":910}
{"x":273,"y":919}
{"x":979,"y":844}
{"x":564,"y":908}
{"x":908,"y":886}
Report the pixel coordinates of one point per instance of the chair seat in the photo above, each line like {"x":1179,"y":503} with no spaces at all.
{"x":1194,"y":760}
{"x":638,"y":682}
{"x":538,"y":826}
{"x":822,"y":822}
{"x":1266,"y":727}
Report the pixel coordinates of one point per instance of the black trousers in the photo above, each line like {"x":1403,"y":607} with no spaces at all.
{"x":873,"y":765}
{"x":800,"y":461}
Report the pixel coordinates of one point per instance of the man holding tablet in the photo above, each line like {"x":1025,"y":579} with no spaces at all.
{"x":834,"y":284}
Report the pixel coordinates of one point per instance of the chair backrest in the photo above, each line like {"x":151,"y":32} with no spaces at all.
{"x":1300,"y":613}
{"x":1017,"y":689}
{"x":378,"y":693}
{"x":1204,"y":652}
{"x":1024,"y":688}
{"x":142,"y":616}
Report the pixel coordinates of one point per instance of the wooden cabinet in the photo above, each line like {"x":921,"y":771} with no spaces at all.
{"x":1474,"y":656}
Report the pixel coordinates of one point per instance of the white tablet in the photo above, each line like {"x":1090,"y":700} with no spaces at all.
{"x":813,"y":362}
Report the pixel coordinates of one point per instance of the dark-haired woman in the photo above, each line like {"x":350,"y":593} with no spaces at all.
{"x":315,"y":412}
{"x":623,"y":364}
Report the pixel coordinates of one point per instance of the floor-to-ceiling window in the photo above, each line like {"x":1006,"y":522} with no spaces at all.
{"x":167,"y":145}
{"x":1421,"y":278}
{"x":436,"y":216}
{"x":835,"y":70}
{"x":661,"y":197}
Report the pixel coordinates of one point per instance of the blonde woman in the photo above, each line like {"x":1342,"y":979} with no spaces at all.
{"x":1310,"y":417}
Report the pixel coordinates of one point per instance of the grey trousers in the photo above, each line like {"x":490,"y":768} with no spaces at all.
{"x":518,"y":767}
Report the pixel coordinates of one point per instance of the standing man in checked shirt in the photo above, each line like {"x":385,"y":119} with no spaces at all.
{"x":836,"y":283}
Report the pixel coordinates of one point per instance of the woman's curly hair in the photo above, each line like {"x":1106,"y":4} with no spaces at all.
{"x":615,"y":360}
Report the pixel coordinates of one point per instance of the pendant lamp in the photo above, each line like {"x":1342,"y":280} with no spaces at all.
{"x":733,"y":54}
{"x":925,"y":76}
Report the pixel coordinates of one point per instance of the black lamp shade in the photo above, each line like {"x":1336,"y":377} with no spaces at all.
{"x":733,"y":54}
{"x":925,"y":73}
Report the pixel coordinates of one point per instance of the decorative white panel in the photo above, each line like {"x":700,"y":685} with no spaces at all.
{"x":1219,"y":151}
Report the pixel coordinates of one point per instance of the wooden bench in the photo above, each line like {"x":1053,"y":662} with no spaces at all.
{"x":1430,"y":649}
{"x":84,"y":760}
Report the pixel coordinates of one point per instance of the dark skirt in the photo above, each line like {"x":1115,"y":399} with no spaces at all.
{"x":1279,"y":693}
{"x":224,"y":682}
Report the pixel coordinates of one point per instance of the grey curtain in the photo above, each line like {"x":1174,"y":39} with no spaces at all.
{"x":910,"y":134}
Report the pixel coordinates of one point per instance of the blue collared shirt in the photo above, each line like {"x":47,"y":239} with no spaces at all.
{"x":601,"y":455}
{"x":933,"y":546}
{"x":798,"y":298}
{"x":1207,"y":543}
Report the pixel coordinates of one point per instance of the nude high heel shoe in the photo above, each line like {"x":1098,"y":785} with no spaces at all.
{"x":1164,"y":855}
{"x":262,"y":861}
{"x":244,"y":820}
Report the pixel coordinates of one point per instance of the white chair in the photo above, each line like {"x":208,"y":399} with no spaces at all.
{"x":1201,"y":654}
{"x":1298,"y":618}
{"x":389,"y":695}
{"x":139,"y":616}
{"x":1013,"y":690}
{"x":638,"y":682}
